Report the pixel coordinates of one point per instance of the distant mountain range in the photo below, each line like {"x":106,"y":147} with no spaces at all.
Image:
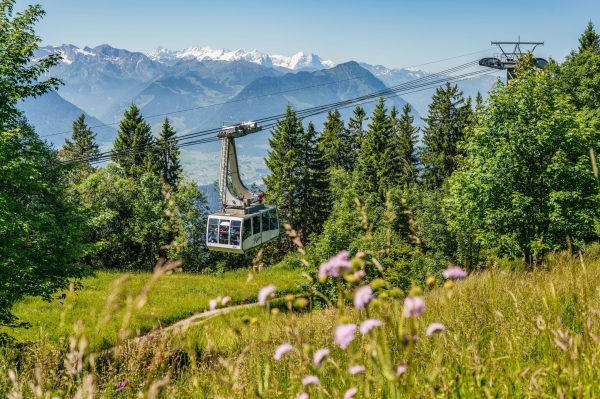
{"x":204,"y":87}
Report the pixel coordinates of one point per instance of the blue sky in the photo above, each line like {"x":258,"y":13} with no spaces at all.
{"x":392,"y":33}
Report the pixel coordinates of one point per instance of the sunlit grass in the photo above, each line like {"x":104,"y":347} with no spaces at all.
{"x":175,"y":297}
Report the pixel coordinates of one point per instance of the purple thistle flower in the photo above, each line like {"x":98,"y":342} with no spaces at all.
{"x":344,"y":334}
{"x":350,"y":393}
{"x":434,"y":328}
{"x":368,"y":325}
{"x":310,"y":380}
{"x":363,"y":296}
{"x":264,"y":293}
{"x":319,"y":355}
{"x":401,"y":370}
{"x":356,"y":369}
{"x":212,"y":304}
{"x":302,"y":395}
{"x":120,"y":386}
{"x":334,"y":265}
{"x":282,"y":350}
{"x":413,"y":306}
{"x":454,"y":272}
{"x":225,"y":300}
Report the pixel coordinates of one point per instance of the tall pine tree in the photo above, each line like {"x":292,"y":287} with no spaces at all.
{"x":82,"y":146}
{"x":407,"y":139}
{"x":589,"y":40}
{"x":284,"y":162}
{"x":335,"y":143}
{"x":313,"y":193}
{"x":356,"y":133}
{"x":134,"y":148}
{"x":448,"y":118}
{"x":371,"y":161}
{"x":168,"y":164}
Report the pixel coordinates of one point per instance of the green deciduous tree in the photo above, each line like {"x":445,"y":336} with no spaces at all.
{"x":526,"y":186}
{"x":19,"y":76}
{"x":134,"y":149}
{"x":447,"y":121}
{"x":168,"y":164}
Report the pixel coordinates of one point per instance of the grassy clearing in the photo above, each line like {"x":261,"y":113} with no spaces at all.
{"x":508,"y":334}
{"x":174,"y":297}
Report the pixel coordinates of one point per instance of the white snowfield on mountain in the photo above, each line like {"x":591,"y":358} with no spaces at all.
{"x":297,"y":61}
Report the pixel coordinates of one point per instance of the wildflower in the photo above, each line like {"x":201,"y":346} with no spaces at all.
{"x":282,"y":350}
{"x":212,"y":304}
{"x":121,"y":385}
{"x":319,"y":355}
{"x":401,"y":370}
{"x":310,"y":379}
{"x":406,"y":339}
{"x":413,"y":306}
{"x":334,"y":265}
{"x":225,"y":300}
{"x":344,"y":334}
{"x":363,"y":296}
{"x":302,"y":395}
{"x":368,"y":325}
{"x":434,"y":328}
{"x":350,"y":393}
{"x":264,"y":293}
{"x":356,"y":369}
{"x":454,"y":272}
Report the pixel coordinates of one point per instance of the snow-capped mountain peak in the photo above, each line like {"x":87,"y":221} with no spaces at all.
{"x":297,"y":61}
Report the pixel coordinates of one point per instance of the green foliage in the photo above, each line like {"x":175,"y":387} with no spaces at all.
{"x":448,"y":118}
{"x":526,"y":186}
{"x":19,"y":76}
{"x":371,"y":166}
{"x":589,"y":40}
{"x":356,"y":132}
{"x":335,"y":143}
{"x":40,"y":230}
{"x":82,"y":148}
{"x":168,"y":164}
{"x":134,"y":146}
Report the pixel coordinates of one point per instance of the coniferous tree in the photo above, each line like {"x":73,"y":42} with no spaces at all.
{"x":478,"y":103}
{"x":284,"y":162}
{"x":313,"y":193}
{"x":168,"y":164}
{"x":392,"y":169}
{"x":356,"y":133}
{"x":82,"y":147}
{"x":448,"y":118}
{"x":407,"y":139}
{"x":335,"y":143}
{"x":370,"y":158}
{"x":589,"y":40}
{"x":134,"y":148}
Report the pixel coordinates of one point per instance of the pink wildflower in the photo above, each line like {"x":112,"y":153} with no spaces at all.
{"x":282,"y":350}
{"x":319,"y":355}
{"x":434,"y":328}
{"x":362,"y":296}
{"x":368,"y":325}
{"x":356,"y":369}
{"x":302,"y":395}
{"x":350,"y":393}
{"x":413,"y":306}
{"x":454,"y":272}
{"x":225,"y":300}
{"x":401,"y":370}
{"x":334,"y":265}
{"x":344,"y":334}
{"x":309,"y":380}
{"x":212,"y":304}
{"x":264,"y":293}
{"x":120,"y":386}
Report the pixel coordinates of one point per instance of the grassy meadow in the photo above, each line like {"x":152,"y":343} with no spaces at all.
{"x":507,"y":334}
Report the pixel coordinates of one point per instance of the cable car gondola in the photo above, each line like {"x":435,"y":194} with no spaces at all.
{"x":243,"y":222}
